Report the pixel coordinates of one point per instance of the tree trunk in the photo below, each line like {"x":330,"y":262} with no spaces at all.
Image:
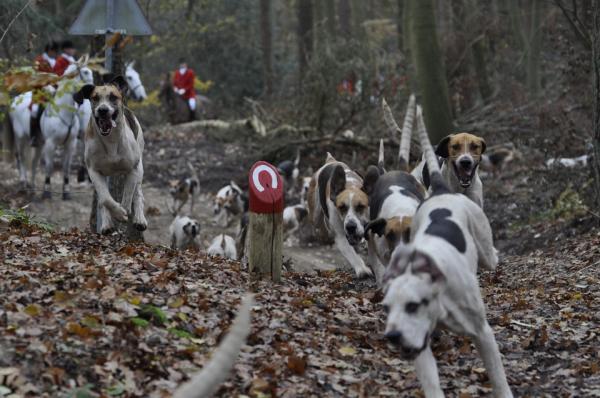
{"x":596,"y":94}
{"x":305,"y":34}
{"x":400,"y":25}
{"x":330,"y":13}
{"x":533,"y":58}
{"x":345,"y":18}
{"x":266,"y":44}
{"x":479,"y":50}
{"x":430,"y":72}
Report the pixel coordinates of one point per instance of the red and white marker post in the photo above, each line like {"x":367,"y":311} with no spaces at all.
{"x":265,"y":229}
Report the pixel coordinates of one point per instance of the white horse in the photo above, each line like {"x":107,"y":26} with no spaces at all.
{"x":136,"y":91}
{"x":59,"y":125}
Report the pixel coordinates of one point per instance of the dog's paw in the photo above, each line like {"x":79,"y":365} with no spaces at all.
{"x":107,"y":230}
{"x":118,"y":212}
{"x":363,"y":272}
{"x":140,"y":225}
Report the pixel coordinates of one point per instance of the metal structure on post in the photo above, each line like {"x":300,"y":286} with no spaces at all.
{"x":108,"y":17}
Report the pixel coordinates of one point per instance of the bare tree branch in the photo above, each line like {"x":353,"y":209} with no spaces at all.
{"x":14,"y":19}
{"x":582,"y":35}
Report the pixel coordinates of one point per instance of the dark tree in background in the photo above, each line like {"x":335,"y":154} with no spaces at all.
{"x":305,"y":34}
{"x":428,"y":62}
{"x":345,"y":18}
{"x":266,"y":45}
{"x":596,"y":94}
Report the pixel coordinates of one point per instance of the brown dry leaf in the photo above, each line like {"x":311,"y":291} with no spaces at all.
{"x":296,"y":364}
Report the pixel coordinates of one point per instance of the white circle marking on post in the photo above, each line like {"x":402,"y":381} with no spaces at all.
{"x":257,"y":172}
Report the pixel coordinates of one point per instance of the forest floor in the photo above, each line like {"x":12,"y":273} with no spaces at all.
{"x":100,"y":315}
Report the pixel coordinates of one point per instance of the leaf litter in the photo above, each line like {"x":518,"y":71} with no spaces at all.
{"x":92,"y":316}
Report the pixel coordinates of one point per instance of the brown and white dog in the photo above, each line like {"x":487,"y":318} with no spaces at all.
{"x":461,"y":154}
{"x":293,"y":218}
{"x":184,"y":190}
{"x":338,"y":206}
{"x":223,"y":246}
{"x":114,"y":144}
{"x":229,"y":202}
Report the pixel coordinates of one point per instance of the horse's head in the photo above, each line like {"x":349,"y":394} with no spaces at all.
{"x":80,"y":72}
{"x":136,"y":88}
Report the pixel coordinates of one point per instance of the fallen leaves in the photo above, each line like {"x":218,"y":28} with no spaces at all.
{"x":150,"y":317}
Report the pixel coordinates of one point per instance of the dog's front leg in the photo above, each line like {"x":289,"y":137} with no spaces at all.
{"x":139,"y":219}
{"x":132,"y":180}
{"x":427,"y":372}
{"x":361,"y":270}
{"x":487,"y":346}
{"x":376,"y":265}
{"x":105,"y":200}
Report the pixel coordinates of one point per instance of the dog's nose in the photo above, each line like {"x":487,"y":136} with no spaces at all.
{"x":394,"y":337}
{"x":102,"y":111}
{"x":465,"y":163}
{"x":351,"y":228}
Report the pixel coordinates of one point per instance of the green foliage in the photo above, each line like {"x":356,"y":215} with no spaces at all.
{"x":153,"y":314}
{"x":21,"y":217}
{"x":180,"y":333}
{"x":140,"y":322}
{"x":569,"y":205}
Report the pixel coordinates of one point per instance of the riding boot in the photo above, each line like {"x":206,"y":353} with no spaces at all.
{"x":192,"y":115}
{"x":35,"y":131}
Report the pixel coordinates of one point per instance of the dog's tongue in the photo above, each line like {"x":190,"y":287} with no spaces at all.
{"x":464,"y":176}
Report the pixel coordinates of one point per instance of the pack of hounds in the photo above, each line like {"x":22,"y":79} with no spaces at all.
{"x":426,"y":231}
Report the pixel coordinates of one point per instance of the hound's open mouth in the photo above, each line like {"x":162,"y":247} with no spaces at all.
{"x":106,"y":123}
{"x":353,"y":240}
{"x":412,"y":353}
{"x":464,"y":175}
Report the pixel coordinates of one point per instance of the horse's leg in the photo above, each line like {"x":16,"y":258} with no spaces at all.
{"x":35,"y":161}
{"x":20,"y":157}
{"x":67,"y":157}
{"x":48,"y":153}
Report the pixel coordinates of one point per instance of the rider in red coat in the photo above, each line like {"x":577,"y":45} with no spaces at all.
{"x":43,"y":63}
{"x":183,"y":84}
{"x":66,"y":58}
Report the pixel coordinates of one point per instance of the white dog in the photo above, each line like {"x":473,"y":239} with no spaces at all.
{"x":114,"y":145}
{"x":433,"y":279}
{"x":184,"y":233}
{"x":223,"y":246}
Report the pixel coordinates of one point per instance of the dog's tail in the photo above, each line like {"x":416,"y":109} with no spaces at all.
{"x":380,"y":160}
{"x":193,"y":171}
{"x":435,"y":176}
{"x":208,"y":380}
{"x":405,"y":133}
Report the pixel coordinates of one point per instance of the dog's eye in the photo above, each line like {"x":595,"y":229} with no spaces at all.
{"x":95,"y":98}
{"x":343,"y":208}
{"x":112,"y":97}
{"x":412,"y":307}
{"x":456,"y":147}
{"x":360,"y":208}
{"x":386,"y":308}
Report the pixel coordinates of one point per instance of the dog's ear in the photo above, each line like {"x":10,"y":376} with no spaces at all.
{"x":186,"y":228}
{"x":301,"y":213}
{"x":483,"y":145}
{"x":377,"y":226}
{"x":337,"y":182}
{"x":370,"y":179}
{"x":120,"y":82}
{"x":83,"y":93}
{"x":424,"y":264}
{"x":442,"y":147}
{"x":107,"y":78}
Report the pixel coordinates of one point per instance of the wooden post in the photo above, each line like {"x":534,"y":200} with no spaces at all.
{"x":265,"y":229}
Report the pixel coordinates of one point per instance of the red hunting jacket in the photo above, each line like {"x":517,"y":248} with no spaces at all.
{"x":42,"y":65}
{"x":62,"y":63}
{"x":186,"y":82}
